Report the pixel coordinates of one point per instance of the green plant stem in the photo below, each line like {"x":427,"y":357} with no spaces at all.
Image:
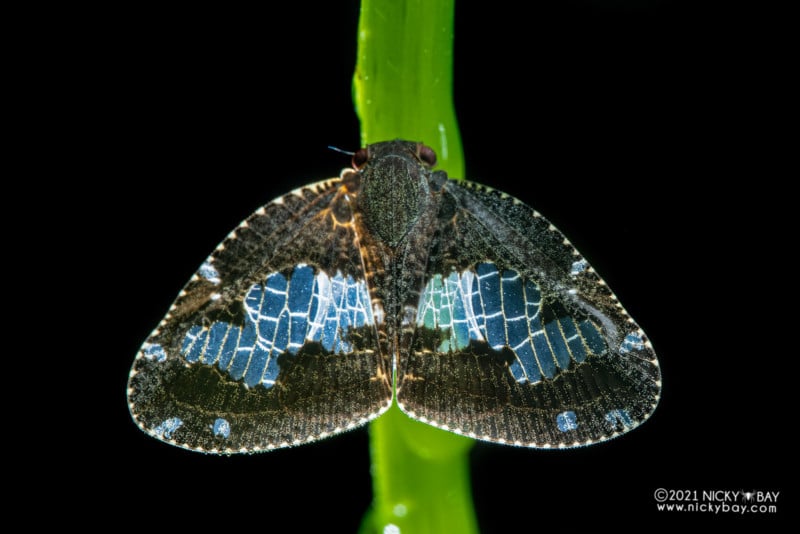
{"x":403,"y":84}
{"x":402,"y":88}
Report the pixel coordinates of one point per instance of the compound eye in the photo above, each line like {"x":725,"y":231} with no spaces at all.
{"x":360,"y":157}
{"x":427,"y":155}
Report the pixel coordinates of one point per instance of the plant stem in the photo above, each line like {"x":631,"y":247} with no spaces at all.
{"x":403,"y":84}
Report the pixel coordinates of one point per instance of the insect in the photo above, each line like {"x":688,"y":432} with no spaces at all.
{"x":392,"y":283}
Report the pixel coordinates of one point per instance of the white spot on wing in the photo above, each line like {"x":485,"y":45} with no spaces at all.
{"x":209,"y":272}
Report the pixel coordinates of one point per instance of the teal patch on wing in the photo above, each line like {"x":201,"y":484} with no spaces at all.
{"x":443,"y":306}
{"x":281,"y":315}
{"x":505,"y":310}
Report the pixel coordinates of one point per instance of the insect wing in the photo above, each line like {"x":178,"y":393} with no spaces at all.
{"x":272,"y":342}
{"x":518,"y":340}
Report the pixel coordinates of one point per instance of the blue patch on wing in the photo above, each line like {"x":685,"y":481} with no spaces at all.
{"x":282,"y":314}
{"x":154,"y":351}
{"x":504,"y":310}
{"x":621,"y":416}
{"x":632,"y":341}
{"x":567,"y":421}
{"x":578,"y":267}
{"x":167,"y":427}
{"x":221,"y":428}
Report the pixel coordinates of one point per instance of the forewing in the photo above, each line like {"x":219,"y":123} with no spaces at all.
{"x":517,"y":339}
{"x":272,"y":342}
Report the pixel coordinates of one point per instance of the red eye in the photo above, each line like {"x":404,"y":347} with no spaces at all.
{"x":427,"y":155}
{"x":360,"y":157}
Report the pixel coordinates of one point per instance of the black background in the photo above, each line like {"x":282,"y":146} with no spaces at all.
{"x":616,"y":120}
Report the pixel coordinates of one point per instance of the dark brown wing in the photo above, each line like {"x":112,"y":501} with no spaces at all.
{"x":273,"y":342}
{"x":517,"y":339}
